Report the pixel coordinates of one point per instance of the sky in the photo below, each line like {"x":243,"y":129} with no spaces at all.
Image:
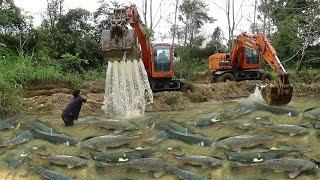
{"x":163,"y":16}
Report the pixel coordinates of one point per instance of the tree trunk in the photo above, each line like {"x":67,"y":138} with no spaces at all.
{"x":254,"y":19}
{"x":145,"y":11}
{"x":150,"y":10}
{"x":175,"y":21}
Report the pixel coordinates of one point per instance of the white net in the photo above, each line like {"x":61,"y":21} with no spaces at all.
{"x":127,"y":89}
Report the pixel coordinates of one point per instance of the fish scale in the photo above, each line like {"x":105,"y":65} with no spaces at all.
{"x":108,"y":141}
{"x":284,"y":164}
{"x":70,"y":161}
{"x":237,"y":142}
{"x":183,"y":174}
{"x":288,"y":128}
{"x":145,"y":164}
{"x":200,"y":160}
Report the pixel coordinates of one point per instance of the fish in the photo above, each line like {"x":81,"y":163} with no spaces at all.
{"x":116,"y":156}
{"x":66,"y":160}
{"x":10,"y":123}
{"x":200,"y":160}
{"x":293,"y":166}
{"x":48,"y":173}
{"x":290,"y":129}
{"x":207,"y":121}
{"x":19,"y":156}
{"x":56,"y":138}
{"x":19,"y":138}
{"x":107,"y":141}
{"x":237,"y":142}
{"x":183,"y":174}
{"x":259,"y":106}
{"x":312,"y":113}
{"x":190,"y":138}
{"x":175,"y":126}
{"x":45,"y":128}
{"x":156,"y":165}
{"x":158,"y":137}
{"x":261,"y":155}
{"x":110,"y":124}
{"x":148,"y":120}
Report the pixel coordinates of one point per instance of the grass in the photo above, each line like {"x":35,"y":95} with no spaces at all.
{"x":20,"y":70}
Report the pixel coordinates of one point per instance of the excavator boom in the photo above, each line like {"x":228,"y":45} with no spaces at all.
{"x":274,"y":94}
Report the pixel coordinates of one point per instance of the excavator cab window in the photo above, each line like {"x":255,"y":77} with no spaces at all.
{"x":252,"y":56}
{"x":162,"y":58}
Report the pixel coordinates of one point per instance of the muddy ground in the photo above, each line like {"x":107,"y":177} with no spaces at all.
{"x":52,"y":98}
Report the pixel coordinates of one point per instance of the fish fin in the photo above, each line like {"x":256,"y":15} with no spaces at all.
{"x":294,"y":174}
{"x":143,"y":171}
{"x":17,"y":127}
{"x":217,"y":126}
{"x":292,"y":134}
{"x":118,"y":131}
{"x":70,"y":166}
{"x":237,"y":149}
{"x":152,"y":126}
{"x":88,"y":138}
{"x":158,"y":174}
{"x":205,"y":166}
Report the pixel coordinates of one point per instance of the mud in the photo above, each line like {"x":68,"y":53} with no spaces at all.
{"x":52,"y":99}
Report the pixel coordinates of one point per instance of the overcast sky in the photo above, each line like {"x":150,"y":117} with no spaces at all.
{"x":36,"y":8}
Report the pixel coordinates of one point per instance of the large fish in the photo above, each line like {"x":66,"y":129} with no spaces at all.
{"x":259,"y":106}
{"x":118,"y":156}
{"x":111,"y":124}
{"x":45,"y":128}
{"x":293,"y":166}
{"x":156,"y":165}
{"x":175,"y":126}
{"x":19,"y":156}
{"x":48,"y":173}
{"x":10,"y":123}
{"x":66,"y":160}
{"x":312,"y":113}
{"x":183,"y":174}
{"x":207,"y":121}
{"x":261,"y":155}
{"x":157,"y":137}
{"x":237,"y":142}
{"x":200,"y":160}
{"x":290,"y":129}
{"x":102,"y":142}
{"x":190,"y":138}
{"x":56,"y":138}
{"x":18,"y":138}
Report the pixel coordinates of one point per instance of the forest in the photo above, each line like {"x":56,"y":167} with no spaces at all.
{"x":66,"y":45}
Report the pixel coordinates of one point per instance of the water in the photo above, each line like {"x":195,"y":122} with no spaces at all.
{"x":127,"y":89}
{"x":188,"y":117}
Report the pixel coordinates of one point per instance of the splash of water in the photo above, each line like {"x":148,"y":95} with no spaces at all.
{"x":127,"y":89}
{"x":255,"y":96}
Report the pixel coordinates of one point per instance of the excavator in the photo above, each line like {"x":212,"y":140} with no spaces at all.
{"x":157,"y":57}
{"x":244,"y":62}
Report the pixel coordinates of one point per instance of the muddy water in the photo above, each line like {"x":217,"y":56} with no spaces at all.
{"x":188,"y":116}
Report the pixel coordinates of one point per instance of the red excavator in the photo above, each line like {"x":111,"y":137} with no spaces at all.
{"x":244,"y":62}
{"x":157,"y":58}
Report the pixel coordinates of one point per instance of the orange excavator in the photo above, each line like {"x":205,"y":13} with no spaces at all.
{"x":244,"y":62}
{"x":157,"y":57}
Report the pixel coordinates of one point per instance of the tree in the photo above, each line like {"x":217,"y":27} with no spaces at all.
{"x":216,"y":40}
{"x":12,"y":24}
{"x":193,"y":15}
{"x":54,"y":12}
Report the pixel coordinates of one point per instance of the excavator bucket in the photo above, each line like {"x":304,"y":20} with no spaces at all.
{"x":277,"y":95}
{"x":119,"y":39}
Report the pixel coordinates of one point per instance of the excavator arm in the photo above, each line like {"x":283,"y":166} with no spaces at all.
{"x":121,"y":39}
{"x":281,"y":93}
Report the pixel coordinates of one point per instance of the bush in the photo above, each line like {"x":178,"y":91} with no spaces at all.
{"x":72,"y":64}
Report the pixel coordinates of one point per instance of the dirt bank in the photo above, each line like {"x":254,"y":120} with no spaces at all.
{"x":52,"y":99}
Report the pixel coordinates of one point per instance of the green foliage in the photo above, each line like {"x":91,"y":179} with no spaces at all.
{"x":72,"y":64}
{"x":192,"y":59}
